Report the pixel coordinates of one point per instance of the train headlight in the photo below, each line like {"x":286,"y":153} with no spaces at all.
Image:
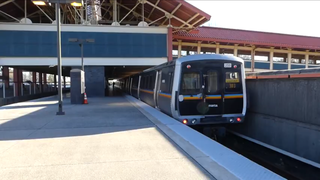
{"x":185,"y":121}
{"x":231,"y":120}
{"x":194,"y":121}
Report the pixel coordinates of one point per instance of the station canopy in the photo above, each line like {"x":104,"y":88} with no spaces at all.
{"x":246,"y":37}
{"x":179,"y":13}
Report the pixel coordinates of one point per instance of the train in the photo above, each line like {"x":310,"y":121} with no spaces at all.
{"x":197,"y":90}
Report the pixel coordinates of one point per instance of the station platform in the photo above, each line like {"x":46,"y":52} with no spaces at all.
{"x":116,"y":137}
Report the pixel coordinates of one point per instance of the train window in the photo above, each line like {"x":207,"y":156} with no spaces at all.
{"x":152,"y":79}
{"x":190,"y":83}
{"x":232,"y":82}
{"x":212,"y":82}
{"x":150,"y":82}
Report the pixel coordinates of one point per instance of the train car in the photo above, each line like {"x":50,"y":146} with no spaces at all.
{"x":202,"y":89}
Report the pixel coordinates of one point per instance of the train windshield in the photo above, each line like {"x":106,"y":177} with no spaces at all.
{"x":191,"y":83}
{"x":212,"y":82}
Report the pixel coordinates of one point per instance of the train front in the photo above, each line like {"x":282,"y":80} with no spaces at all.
{"x":211,"y":92}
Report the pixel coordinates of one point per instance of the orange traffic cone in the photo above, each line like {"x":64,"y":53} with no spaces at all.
{"x":85,"y":100}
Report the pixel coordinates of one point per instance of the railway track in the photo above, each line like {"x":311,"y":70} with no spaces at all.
{"x":279,"y":163}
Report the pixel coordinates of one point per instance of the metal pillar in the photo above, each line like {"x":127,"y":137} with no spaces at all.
{"x":25,"y":11}
{"x":44,"y":82}
{"x":34,"y":80}
{"x":60,"y":112}
{"x":82,"y":64}
{"x":17,"y":81}
{"x":114,"y":11}
{"x":6,"y":74}
{"x":169,"y":42}
{"x":40,"y":82}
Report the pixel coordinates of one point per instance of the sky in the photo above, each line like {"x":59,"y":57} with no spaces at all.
{"x":288,"y":17}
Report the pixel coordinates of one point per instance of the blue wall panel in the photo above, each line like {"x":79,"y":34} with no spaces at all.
{"x":43,"y":44}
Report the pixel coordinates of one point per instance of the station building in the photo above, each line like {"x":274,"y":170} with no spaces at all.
{"x":128,"y":37}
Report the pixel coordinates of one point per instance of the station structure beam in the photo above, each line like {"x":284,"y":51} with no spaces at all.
{"x":270,"y":52}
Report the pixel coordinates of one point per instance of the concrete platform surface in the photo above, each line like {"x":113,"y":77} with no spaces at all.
{"x":107,"y":139}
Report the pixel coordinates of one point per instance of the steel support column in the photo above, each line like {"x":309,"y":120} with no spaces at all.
{"x":45,"y":81}
{"x":34,"y":80}
{"x":6,"y":76}
{"x":17,"y":78}
{"x":40,"y":82}
{"x":60,"y":99}
{"x":169,"y":43}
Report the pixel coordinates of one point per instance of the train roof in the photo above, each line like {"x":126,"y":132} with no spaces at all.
{"x":197,"y":57}
{"x":208,"y":57}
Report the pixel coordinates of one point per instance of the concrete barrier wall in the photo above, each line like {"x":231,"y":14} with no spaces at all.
{"x":285,"y":113}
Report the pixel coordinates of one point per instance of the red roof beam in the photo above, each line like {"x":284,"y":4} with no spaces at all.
{"x":243,"y":42}
{"x":193,"y":8}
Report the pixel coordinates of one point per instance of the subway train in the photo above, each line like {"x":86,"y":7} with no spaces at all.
{"x":203,"y":89}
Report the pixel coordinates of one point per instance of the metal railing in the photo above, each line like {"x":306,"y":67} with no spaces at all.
{"x":8,"y":90}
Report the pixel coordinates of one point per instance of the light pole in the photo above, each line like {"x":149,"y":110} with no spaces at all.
{"x":58,"y":2}
{"x":81,"y":43}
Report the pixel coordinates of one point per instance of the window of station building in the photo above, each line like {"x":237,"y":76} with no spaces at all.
{"x":232,"y":83}
{"x":212,"y":82}
{"x":190,"y":83}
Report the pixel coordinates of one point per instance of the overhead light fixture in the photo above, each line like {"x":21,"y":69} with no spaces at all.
{"x":39,"y":3}
{"x":76,"y":4}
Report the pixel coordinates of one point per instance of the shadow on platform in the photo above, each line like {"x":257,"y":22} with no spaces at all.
{"x":35,"y":120}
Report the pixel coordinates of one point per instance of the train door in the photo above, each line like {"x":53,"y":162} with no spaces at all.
{"x":200,"y":91}
{"x":233,"y":92}
{"x":190,"y":96}
{"x":157,"y":88}
{"x":212,"y":91}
